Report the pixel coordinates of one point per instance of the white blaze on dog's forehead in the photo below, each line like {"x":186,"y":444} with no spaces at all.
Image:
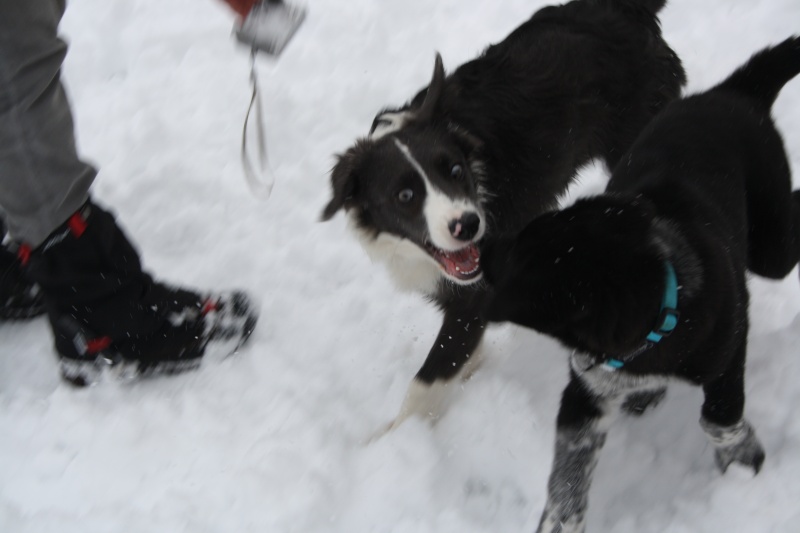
{"x":440,"y":209}
{"x":387,"y":123}
{"x":406,"y":151}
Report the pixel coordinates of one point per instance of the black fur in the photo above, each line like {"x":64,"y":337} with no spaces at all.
{"x":706,"y":187}
{"x":573,"y":83}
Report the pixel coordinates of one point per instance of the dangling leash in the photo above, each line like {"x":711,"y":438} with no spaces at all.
{"x":267,"y":28}
{"x":260,"y":179}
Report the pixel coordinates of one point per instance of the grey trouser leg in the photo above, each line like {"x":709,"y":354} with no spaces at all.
{"x":42,"y":180}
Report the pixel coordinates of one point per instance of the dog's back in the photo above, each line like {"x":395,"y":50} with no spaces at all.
{"x":730,"y":154}
{"x":611,"y":46}
{"x":575,"y":82}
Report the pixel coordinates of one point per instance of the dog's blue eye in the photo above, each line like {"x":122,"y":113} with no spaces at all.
{"x":405,"y":195}
{"x":456,"y":171}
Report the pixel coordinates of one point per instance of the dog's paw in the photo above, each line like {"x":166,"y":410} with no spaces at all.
{"x":422,"y":400}
{"x":392,"y":426}
{"x":385,"y":429}
{"x":379,"y":433}
{"x":555,"y":522}
{"x":735,"y":444}
{"x":748,"y":454}
{"x":638,"y":402}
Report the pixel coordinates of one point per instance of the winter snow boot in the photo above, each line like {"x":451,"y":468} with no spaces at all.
{"x":19,"y":297}
{"x":108,"y":316}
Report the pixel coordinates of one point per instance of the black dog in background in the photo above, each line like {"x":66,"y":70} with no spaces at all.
{"x":480,"y":152}
{"x":648,"y":281}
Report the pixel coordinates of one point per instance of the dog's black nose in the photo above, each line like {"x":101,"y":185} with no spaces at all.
{"x":466,"y":227}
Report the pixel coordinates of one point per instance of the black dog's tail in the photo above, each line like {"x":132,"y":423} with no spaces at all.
{"x":765,"y":74}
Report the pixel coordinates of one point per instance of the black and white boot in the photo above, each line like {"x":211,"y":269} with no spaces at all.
{"x":20,"y":298}
{"x":109,"y":318}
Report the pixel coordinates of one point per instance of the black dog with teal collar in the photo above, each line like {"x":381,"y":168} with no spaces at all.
{"x":648,"y":281}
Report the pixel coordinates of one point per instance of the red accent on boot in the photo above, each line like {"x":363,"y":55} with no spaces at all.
{"x":77,"y":224}
{"x":24,"y":254}
{"x":208,"y":306}
{"x":97,"y":345}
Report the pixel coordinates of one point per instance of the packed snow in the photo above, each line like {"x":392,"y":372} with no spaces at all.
{"x":276,"y":439}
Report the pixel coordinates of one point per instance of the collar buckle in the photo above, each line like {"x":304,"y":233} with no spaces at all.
{"x":667,"y":320}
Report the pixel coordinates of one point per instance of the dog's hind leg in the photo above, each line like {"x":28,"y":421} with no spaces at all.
{"x":773,"y":213}
{"x":733,"y":438}
{"x":796,"y":207}
{"x":796,"y":212}
{"x":583,"y":422}
{"x":774,"y":237}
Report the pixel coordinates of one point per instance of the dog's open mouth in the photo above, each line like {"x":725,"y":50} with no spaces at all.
{"x":463,"y":264}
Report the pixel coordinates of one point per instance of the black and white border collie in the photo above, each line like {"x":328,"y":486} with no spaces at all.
{"x":480,"y":152}
{"x":648,"y":281}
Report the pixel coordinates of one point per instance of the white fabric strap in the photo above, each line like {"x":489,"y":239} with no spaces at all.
{"x":258,"y":175}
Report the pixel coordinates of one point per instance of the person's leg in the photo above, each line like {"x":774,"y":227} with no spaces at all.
{"x":42,"y":179}
{"x":103,"y":309}
{"x":20,"y":298}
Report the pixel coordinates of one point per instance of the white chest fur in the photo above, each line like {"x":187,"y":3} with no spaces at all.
{"x":607,"y":383}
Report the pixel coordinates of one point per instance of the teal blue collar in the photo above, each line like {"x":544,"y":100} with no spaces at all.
{"x":667,"y":320}
{"x":668,"y":316}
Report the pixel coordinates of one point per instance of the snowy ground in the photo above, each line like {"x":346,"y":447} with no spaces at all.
{"x":273,"y":440}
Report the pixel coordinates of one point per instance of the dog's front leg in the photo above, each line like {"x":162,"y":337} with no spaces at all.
{"x":732,"y":436}
{"x":455,"y":354}
{"x":581,"y":429}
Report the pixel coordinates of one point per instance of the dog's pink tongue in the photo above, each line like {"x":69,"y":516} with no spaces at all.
{"x":464,"y":262}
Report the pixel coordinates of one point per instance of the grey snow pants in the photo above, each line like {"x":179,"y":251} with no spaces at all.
{"x":42,"y":179}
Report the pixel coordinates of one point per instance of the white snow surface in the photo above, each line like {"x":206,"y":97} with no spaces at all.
{"x":275,"y":438}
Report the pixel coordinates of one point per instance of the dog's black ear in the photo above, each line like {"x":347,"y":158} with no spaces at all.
{"x":434,"y":93}
{"x":344,"y":179}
